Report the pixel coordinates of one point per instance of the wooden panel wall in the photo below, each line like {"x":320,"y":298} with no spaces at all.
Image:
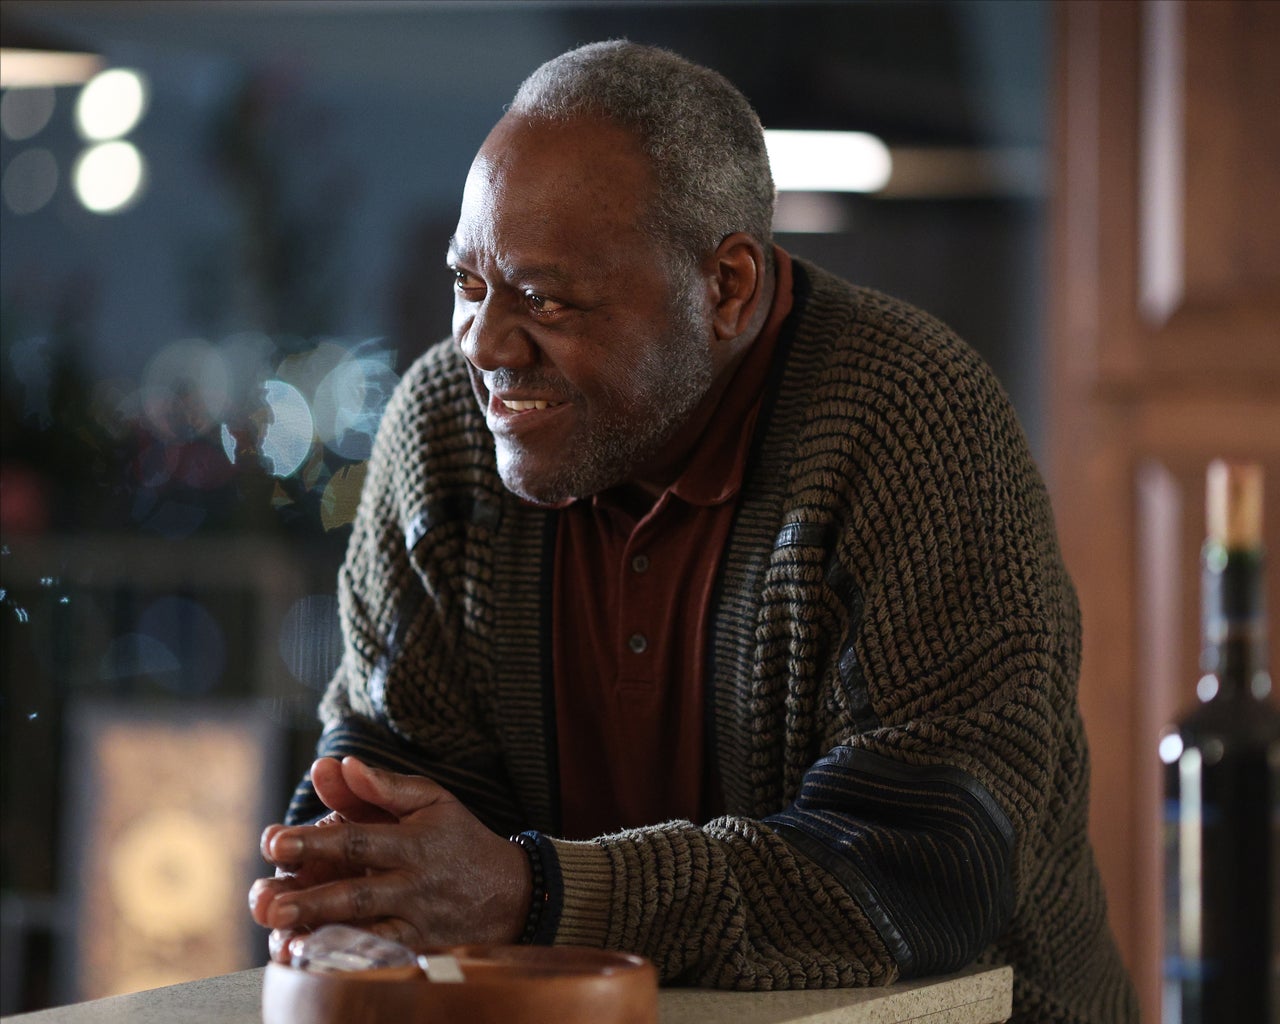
{"x":1164,"y":354}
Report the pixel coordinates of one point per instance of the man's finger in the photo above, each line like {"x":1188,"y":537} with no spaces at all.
{"x":397,"y":794}
{"x":351,"y":899}
{"x":278,"y":944}
{"x":263,"y":893}
{"x":265,"y":844}
{"x":331,"y":787}
{"x":348,"y":848}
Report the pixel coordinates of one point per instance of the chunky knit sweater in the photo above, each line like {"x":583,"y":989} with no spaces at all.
{"x":891,"y":680}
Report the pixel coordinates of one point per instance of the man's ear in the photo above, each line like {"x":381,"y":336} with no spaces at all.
{"x":737,"y":284}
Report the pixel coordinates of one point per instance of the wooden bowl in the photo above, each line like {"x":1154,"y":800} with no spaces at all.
{"x":503,"y":985}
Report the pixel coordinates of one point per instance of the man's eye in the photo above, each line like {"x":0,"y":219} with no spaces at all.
{"x":465,"y":282}
{"x":542,"y":304}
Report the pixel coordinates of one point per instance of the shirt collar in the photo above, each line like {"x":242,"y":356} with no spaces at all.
{"x":714,"y":473}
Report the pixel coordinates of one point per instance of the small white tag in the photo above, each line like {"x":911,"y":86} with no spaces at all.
{"x":442,"y":968}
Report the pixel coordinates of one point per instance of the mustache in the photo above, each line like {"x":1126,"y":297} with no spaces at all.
{"x":552,"y":385}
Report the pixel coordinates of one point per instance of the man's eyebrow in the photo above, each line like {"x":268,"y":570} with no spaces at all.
{"x":543,"y":273}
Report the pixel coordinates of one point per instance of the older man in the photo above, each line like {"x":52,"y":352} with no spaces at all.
{"x":700,"y":604}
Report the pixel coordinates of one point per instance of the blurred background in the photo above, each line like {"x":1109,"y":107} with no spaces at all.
{"x":223,"y":241}
{"x":222,"y":236}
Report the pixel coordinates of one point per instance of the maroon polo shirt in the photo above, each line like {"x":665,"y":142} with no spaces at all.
{"x":632,"y":601}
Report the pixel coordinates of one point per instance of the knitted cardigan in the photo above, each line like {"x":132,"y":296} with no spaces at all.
{"x":891,"y":679}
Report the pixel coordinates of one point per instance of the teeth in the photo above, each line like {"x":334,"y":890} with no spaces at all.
{"x":518,"y":406}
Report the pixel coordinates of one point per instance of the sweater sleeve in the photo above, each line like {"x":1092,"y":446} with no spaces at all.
{"x":913,"y":672}
{"x":404,"y":695}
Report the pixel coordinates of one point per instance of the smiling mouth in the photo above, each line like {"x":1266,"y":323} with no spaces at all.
{"x":516,"y":405}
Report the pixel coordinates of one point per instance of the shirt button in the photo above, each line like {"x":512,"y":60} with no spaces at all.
{"x":640,"y":563}
{"x":638,"y":643}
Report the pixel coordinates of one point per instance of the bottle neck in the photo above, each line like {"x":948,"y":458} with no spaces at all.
{"x":1234,"y":622}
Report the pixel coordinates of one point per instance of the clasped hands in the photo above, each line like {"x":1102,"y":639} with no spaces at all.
{"x":397,"y":855}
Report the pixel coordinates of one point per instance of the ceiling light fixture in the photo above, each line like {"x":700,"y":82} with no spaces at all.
{"x":31,"y":58}
{"x":819,"y":161}
{"x":28,"y":69}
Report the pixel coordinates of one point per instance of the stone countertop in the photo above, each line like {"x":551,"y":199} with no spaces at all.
{"x":976,"y":995}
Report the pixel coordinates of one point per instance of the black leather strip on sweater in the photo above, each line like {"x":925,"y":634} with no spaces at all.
{"x":926,"y":845}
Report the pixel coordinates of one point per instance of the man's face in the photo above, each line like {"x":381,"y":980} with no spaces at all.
{"x":585,"y":354}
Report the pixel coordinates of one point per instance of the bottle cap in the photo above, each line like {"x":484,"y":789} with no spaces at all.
{"x":1233,"y":503}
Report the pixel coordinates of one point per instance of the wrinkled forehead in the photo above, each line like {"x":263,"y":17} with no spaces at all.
{"x":579,"y":184}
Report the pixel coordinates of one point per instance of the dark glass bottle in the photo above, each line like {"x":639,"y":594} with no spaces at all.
{"x":1222,"y":786}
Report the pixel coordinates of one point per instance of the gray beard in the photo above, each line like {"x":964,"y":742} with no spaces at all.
{"x":673,"y":380}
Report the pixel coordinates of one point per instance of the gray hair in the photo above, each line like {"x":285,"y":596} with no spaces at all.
{"x":699,"y":130}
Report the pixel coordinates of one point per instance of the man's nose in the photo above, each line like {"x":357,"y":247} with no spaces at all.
{"x":492,"y":338}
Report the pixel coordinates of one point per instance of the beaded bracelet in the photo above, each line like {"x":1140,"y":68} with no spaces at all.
{"x":529,"y":844}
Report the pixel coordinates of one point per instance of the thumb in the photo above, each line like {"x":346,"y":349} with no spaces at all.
{"x":332,"y":788}
{"x":396,"y":794}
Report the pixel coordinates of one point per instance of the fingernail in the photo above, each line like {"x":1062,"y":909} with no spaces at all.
{"x":286,"y":848}
{"x":284,"y":914}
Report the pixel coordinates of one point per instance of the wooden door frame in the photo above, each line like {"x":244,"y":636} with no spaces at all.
{"x":1163,"y":353}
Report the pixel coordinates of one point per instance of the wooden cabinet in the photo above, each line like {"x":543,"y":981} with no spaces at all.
{"x":1164,"y":353}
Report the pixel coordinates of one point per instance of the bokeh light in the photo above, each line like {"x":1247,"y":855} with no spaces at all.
{"x":185,"y":390}
{"x":111,"y":104}
{"x":188,"y":629}
{"x":136,"y":654}
{"x":311,"y":640}
{"x":229,"y":443}
{"x":29,"y":181}
{"x":109,"y":177}
{"x":289,"y":436}
{"x":341,"y":497}
{"x":25,"y":112}
{"x":247,"y":358}
{"x":350,"y":401}
{"x":177,"y":644}
{"x":307,"y":369}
